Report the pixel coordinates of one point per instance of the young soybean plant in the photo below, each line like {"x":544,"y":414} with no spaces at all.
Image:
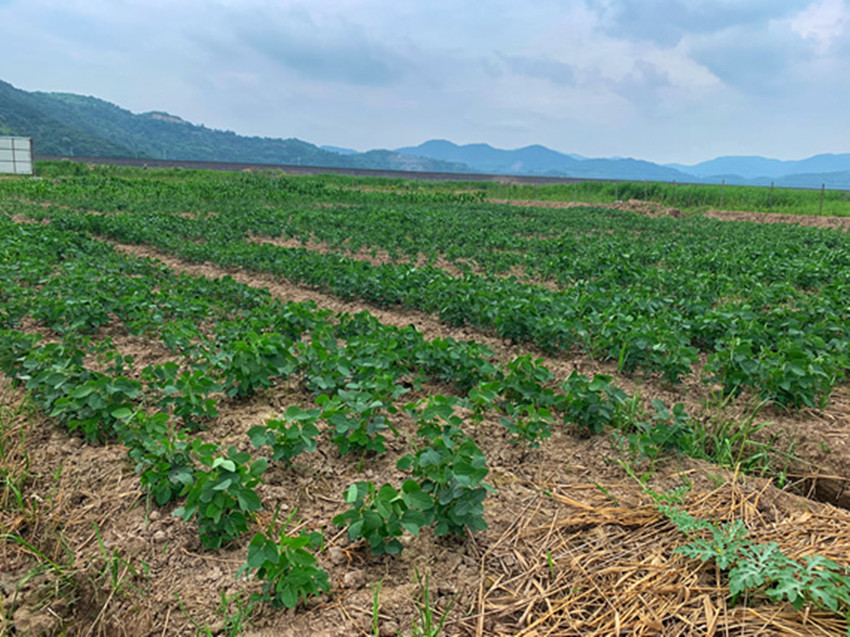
{"x":452,"y":473}
{"x":186,"y":395}
{"x":161,"y":452}
{"x":289,"y":436}
{"x":450,"y":469}
{"x":446,"y":487}
{"x":381,"y":516}
{"x":286,"y":566}
{"x":221,"y":496}
{"x":359,"y":414}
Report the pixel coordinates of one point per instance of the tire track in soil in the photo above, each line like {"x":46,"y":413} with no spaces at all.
{"x":820,"y":438}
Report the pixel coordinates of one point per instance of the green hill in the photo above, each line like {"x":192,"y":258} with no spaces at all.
{"x":69,"y":124}
{"x":21,"y":113}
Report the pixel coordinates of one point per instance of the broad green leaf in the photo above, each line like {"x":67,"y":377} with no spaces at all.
{"x":229,"y":465}
{"x":122,"y":413}
{"x":262,"y":550}
{"x":288,"y":596}
{"x":248,"y":500}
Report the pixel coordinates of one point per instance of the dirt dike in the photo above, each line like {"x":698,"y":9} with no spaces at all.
{"x":832,"y":223}
{"x":646,"y":208}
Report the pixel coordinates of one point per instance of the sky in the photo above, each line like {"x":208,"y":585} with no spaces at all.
{"x":661,"y":80}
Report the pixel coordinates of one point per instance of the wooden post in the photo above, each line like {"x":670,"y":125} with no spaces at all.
{"x":722,"y":189}
{"x":770,"y":199}
{"x":820,"y":210}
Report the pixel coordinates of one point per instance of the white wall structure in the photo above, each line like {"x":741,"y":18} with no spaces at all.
{"x":16,"y":155}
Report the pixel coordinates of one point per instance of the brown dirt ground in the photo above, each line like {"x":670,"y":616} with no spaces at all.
{"x":573,"y":547}
{"x":648,"y":208}
{"x":839,"y":223}
{"x":373,"y":257}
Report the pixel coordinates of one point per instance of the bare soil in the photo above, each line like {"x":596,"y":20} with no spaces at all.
{"x":647,"y":208}
{"x":374,"y":256}
{"x":835,"y":223}
{"x":652,"y":209}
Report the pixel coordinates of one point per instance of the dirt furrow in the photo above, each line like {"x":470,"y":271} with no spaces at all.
{"x":812,"y":446}
{"x":374,"y":257}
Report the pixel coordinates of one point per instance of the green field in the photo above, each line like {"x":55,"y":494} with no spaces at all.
{"x":767,"y":305}
{"x":304,"y":442}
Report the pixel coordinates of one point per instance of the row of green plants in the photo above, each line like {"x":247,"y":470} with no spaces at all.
{"x":357,"y":371}
{"x":445,"y":491}
{"x":686,"y":196}
{"x":788,"y":345}
{"x":697,"y":275}
{"x":766,"y":304}
{"x":495,"y":237}
{"x":680,"y":195}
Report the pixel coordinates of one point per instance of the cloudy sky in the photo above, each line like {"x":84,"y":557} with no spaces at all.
{"x":663,"y":80}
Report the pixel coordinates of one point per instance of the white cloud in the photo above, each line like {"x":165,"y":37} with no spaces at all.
{"x":823,"y":23}
{"x":660,"y":79}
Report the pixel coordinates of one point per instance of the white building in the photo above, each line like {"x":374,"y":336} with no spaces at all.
{"x":16,"y":155}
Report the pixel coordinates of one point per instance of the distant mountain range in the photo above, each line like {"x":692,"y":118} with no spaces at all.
{"x":832,"y":170}
{"x":539,"y":160}
{"x":67,"y":124}
{"x":755,"y":167}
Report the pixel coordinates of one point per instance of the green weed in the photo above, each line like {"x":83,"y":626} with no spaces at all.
{"x":428,"y":623}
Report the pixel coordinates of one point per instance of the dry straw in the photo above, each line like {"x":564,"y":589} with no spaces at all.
{"x":597,"y":569}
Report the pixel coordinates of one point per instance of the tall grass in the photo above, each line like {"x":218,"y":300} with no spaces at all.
{"x":687,"y":197}
{"x":690,"y":197}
